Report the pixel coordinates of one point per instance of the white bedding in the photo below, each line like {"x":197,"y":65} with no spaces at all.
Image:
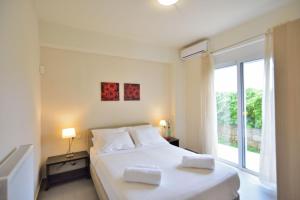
{"x":177,"y":183}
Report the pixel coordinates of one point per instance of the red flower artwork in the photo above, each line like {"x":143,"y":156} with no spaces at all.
{"x":131,"y":92}
{"x":109,"y":91}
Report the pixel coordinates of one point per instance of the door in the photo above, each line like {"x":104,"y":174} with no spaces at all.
{"x":239,"y":90}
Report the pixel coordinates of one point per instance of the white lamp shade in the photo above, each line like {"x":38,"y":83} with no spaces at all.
{"x":68,"y":133}
{"x":163,"y":123}
{"x":167,"y":2}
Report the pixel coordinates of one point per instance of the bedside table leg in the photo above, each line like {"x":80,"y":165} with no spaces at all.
{"x":87,"y":164}
{"x":47,"y":186}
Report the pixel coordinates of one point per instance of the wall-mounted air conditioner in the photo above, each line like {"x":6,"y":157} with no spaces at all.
{"x":195,"y":49}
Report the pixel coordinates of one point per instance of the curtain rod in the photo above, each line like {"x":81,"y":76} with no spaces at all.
{"x":254,"y":39}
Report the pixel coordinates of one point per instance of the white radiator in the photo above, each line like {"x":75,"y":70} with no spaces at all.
{"x":16,"y":175}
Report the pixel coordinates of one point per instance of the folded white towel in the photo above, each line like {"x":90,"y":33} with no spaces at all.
{"x":200,"y":161}
{"x":146,"y":166}
{"x":143,"y":174}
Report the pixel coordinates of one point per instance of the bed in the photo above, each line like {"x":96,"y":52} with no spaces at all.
{"x":107,"y":169}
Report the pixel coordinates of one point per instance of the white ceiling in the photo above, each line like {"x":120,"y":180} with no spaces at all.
{"x":147,"y":21}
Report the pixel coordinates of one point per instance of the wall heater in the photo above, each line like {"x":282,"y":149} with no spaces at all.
{"x":16,"y":175}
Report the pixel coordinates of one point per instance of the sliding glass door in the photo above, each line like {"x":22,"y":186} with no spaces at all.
{"x":227,"y":104}
{"x":253,"y":91}
{"x":239,"y":90}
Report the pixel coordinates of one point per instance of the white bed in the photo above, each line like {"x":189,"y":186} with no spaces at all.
{"x":177,"y":183}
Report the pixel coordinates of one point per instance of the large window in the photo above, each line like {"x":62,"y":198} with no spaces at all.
{"x":239,"y":90}
{"x":227,"y":105}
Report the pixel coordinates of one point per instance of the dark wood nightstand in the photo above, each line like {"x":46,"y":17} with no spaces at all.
{"x":61,"y":169}
{"x":173,"y":141}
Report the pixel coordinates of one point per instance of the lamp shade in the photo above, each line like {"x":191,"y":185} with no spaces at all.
{"x":163,"y":123}
{"x":167,"y":2}
{"x":68,"y":133}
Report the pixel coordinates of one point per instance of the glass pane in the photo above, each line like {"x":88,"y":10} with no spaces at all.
{"x":226,"y":99}
{"x":253,"y":91}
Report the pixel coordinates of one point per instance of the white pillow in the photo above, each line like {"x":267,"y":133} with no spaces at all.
{"x":144,"y":136}
{"x":110,"y":142}
{"x":131,"y":128}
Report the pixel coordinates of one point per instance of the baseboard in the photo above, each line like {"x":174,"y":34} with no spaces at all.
{"x":37,"y":191}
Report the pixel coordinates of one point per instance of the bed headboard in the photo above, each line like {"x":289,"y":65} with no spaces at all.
{"x":90,"y":136}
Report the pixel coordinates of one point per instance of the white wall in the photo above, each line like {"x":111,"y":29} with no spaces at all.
{"x":256,"y":26}
{"x":71,"y":95}
{"x":64,"y":37}
{"x":178,"y":101}
{"x":68,"y":38}
{"x":19,"y":79}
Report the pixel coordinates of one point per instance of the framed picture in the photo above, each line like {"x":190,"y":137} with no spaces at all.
{"x":110,"y":91}
{"x":131,"y":92}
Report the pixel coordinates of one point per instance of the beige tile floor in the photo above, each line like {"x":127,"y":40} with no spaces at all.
{"x":83,"y":189}
{"x":251,"y":189}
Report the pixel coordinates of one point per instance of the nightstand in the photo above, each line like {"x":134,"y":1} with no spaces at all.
{"x":173,"y":141}
{"x":61,"y":169}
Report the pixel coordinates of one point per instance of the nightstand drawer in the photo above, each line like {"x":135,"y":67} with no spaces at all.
{"x":62,"y":169}
{"x":67,"y":166}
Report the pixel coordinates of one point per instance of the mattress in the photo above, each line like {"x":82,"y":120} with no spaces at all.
{"x":177,"y":182}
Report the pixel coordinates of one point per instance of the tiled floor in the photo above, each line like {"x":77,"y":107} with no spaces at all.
{"x":83,"y":189}
{"x":251,"y":188}
{"x":231,"y":154}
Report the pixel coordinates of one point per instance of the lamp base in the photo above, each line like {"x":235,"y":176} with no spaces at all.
{"x":70,"y":155}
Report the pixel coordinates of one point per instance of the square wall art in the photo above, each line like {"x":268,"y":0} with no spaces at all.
{"x":131,"y":92}
{"x":109,"y":91}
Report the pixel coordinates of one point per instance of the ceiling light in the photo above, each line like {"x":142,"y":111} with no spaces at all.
{"x":167,"y":2}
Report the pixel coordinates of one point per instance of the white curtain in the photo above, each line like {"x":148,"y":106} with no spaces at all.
{"x":208,"y":122}
{"x":201,"y":117}
{"x":268,"y":145}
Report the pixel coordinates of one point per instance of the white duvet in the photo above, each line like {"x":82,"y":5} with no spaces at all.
{"x":177,"y":183}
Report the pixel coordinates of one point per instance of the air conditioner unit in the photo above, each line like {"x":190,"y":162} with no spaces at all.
{"x":195,"y":49}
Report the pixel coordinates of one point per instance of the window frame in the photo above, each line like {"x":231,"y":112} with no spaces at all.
{"x":239,"y":63}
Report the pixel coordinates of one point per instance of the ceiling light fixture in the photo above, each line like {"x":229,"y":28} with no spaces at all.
{"x":167,"y":2}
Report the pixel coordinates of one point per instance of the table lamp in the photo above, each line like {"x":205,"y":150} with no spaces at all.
{"x":69,"y":133}
{"x":164,"y":124}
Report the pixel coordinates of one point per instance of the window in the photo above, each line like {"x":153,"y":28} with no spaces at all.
{"x":227,"y":105}
{"x":239,"y":90}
